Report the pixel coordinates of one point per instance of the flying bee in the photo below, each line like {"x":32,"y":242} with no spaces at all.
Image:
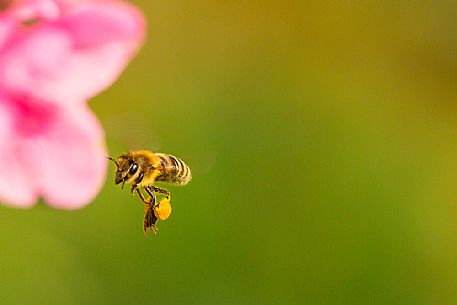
{"x":141,"y":169}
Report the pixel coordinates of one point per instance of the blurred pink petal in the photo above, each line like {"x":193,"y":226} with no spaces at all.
{"x":31,"y":9}
{"x":72,"y":160}
{"x":14,"y":177}
{"x":31,"y":59}
{"x":78,"y":54}
{"x":53,"y":57}
{"x":51,"y":151}
{"x":7,"y":27}
{"x":104,"y":38}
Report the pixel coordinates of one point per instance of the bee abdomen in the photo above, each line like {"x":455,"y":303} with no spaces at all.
{"x":174,"y":170}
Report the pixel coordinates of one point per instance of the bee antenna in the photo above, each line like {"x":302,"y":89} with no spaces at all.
{"x":109,"y":158}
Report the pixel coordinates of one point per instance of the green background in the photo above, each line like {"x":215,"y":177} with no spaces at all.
{"x":323,"y":142}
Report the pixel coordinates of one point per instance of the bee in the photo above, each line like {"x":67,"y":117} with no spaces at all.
{"x":141,"y":169}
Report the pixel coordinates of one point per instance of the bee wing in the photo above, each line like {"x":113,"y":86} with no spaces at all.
{"x":201,"y":161}
{"x":131,"y":132}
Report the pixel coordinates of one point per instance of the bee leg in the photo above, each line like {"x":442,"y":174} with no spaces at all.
{"x":146,"y":202}
{"x":135,"y":183}
{"x":152,"y":194}
{"x":142,"y":197}
{"x":162,"y":191}
{"x":150,"y":221}
{"x":132,"y":191}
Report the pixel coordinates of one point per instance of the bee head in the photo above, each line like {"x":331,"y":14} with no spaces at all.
{"x":125,"y":168}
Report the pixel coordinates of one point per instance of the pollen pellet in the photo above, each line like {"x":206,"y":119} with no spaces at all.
{"x":163,"y":210}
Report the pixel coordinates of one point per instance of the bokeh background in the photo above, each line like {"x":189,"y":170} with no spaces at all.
{"x":323,"y":141}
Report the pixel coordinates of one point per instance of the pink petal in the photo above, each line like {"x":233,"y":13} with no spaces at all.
{"x":33,"y":59}
{"x":15,"y":187}
{"x":65,"y":163}
{"x":69,"y":5}
{"x":96,"y":24}
{"x":105,"y":36}
{"x":72,"y":163}
{"x":7,"y":27}
{"x":76,"y":56}
{"x":31,"y":9}
{"x":6,"y":122}
{"x":11,"y":19}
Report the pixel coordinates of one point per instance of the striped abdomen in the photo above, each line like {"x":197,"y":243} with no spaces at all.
{"x":173,"y":170}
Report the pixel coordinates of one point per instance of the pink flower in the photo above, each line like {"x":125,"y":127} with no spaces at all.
{"x":54,"y":55}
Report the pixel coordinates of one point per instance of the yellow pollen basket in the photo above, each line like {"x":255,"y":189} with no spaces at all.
{"x":163,"y":210}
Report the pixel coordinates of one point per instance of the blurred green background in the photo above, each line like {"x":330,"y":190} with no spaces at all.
{"x":323,"y":141}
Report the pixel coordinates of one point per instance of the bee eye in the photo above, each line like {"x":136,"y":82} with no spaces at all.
{"x":133,"y":168}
